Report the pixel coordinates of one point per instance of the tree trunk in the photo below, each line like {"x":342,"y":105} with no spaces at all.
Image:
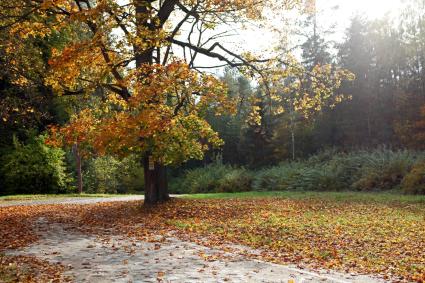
{"x":79,"y":172}
{"x":156,"y":186}
{"x":292,"y":130}
{"x":293,"y":144}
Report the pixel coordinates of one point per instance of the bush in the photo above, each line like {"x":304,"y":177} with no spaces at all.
{"x":215,"y":178}
{"x":34,"y":168}
{"x":380,"y":169}
{"x":414,"y":181}
{"x":277,"y":178}
{"x":110,"y":175}
{"x":235,"y":180}
{"x":316,"y":179}
{"x":296,"y":176}
{"x":383,"y":169}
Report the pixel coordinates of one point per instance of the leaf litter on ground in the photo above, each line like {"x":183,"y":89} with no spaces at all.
{"x":384,"y":239}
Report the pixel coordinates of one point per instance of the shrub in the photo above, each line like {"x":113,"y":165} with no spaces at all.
{"x":235,"y":180}
{"x":323,"y":157}
{"x":384,"y":169}
{"x":131,"y":177}
{"x":316,"y":178}
{"x":109,"y":175}
{"x":414,"y":181}
{"x":296,"y":176}
{"x":346,"y":168}
{"x":34,"y":168}
{"x":277,"y":178}
{"x":213,"y":178}
{"x":380,"y":169}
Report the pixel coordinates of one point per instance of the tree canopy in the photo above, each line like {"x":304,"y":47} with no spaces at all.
{"x":141,"y":59}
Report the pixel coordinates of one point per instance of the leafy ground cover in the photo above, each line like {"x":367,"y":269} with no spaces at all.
{"x":29,"y":269}
{"x":363,"y":233}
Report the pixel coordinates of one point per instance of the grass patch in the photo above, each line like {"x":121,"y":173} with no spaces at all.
{"x":376,"y":233}
{"x":330,"y":196}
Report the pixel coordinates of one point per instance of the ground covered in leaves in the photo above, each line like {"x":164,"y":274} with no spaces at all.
{"x":383,"y":238}
{"x":29,"y":269}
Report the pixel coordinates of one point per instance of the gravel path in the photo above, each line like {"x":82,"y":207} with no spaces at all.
{"x":73,"y":200}
{"x":113,"y":259}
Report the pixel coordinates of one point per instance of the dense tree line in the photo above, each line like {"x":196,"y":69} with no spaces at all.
{"x":384,"y":105}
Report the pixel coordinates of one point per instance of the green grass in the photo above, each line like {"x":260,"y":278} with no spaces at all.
{"x":334,"y":196}
{"x":44,"y":197}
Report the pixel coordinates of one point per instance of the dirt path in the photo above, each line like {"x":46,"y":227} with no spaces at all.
{"x":69,"y":200}
{"x":113,"y":259}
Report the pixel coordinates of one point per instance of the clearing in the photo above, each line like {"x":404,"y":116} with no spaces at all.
{"x":251,"y":237}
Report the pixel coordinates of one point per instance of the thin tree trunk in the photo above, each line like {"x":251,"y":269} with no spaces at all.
{"x":292,"y":130}
{"x":79,"y":171}
{"x":293,"y":144}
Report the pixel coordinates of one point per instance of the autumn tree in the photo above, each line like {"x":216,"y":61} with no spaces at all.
{"x":303,"y":94}
{"x":143,"y":57}
{"x":153,"y":103}
{"x":308,"y":88}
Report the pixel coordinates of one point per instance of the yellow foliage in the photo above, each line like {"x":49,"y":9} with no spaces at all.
{"x":151,"y":103}
{"x":163,"y":116}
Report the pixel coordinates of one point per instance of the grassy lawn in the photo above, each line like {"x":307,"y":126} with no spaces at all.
{"x":330,"y":196}
{"x":45,"y":197}
{"x":378,"y":233}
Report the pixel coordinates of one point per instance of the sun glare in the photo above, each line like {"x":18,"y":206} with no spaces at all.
{"x":371,"y":8}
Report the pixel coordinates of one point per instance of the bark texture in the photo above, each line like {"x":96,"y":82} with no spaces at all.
{"x":156,"y":185}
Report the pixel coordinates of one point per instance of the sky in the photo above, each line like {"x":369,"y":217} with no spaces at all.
{"x":336,"y":13}
{"x":371,"y":8}
{"x":260,"y":41}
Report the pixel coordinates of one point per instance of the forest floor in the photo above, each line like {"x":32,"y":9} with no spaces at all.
{"x":247,"y":238}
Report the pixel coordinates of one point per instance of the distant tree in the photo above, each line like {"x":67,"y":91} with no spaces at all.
{"x":305,"y":94}
{"x":387,"y":93}
{"x":231,"y":127}
{"x":316,"y":45}
{"x":292,"y":135}
{"x":33,"y":168}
